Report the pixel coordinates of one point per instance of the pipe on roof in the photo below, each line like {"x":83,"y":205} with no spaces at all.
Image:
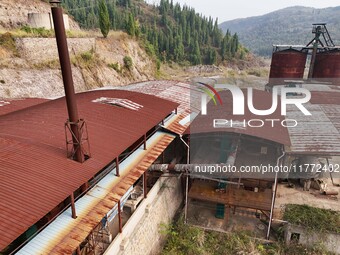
{"x":274,"y":194}
{"x":65,"y":63}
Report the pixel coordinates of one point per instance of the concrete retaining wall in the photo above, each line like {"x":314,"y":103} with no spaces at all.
{"x":37,"y":20}
{"x":141,"y":234}
{"x":27,"y":48}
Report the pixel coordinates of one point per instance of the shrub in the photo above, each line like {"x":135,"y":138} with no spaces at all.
{"x":128,"y":62}
{"x":158,"y":64}
{"x":87,"y":56}
{"x":116,"y":66}
{"x":7,"y":41}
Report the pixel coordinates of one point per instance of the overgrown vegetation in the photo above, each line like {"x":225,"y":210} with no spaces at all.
{"x":128,"y":62}
{"x":51,"y":64}
{"x":184,"y":239}
{"x":38,"y":32}
{"x":316,"y":219}
{"x":8,"y":43}
{"x":170,"y":32}
{"x":115,"y":66}
{"x":258,"y":72}
{"x":27,"y":31}
{"x":86,"y":59}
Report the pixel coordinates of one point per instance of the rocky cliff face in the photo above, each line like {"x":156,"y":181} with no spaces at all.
{"x":30,"y":67}
{"x":14,"y":13}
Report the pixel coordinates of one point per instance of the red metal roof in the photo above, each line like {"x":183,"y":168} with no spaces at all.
{"x":325,"y":97}
{"x":35,"y":173}
{"x":12,"y":105}
{"x":75,"y":233}
{"x":262,"y":101}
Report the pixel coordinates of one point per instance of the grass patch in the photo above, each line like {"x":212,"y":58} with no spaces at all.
{"x":183,"y":239}
{"x":7,"y":42}
{"x":115,"y":66}
{"x":38,"y":32}
{"x":27,"y":31}
{"x":81,"y":34}
{"x":258,"y":72}
{"x":316,"y":219}
{"x":88,"y":59}
{"x":87,"y":56}
{"x":51,"y":64}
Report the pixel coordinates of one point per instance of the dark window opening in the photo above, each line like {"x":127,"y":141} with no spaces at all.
{"x":295,"y":237}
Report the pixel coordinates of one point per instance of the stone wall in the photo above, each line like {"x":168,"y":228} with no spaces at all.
{"x":141,"y":234}
{"x":27,"y":48}
{"x":17,"y":83}
{"x":306,"y":237}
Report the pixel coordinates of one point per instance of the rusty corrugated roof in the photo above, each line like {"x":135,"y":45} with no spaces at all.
{"x":186,"y":95}
{"x":35,"y":173}
{"x":96,"y":203}
{"x":325,"y":97}
{"x":12,"y":105}
{"x":318,"y":134}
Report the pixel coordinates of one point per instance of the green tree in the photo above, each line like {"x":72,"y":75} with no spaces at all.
{"x":169,"y":31}
{"x":196,"y":58}
{"x":104,"y":19}
{"x":130,"y":25}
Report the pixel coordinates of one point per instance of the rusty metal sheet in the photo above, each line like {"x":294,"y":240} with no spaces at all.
{"x":64,"y":235}
{"x":325,"y":97}
{"x":33,"y":156}
{"x":327,"y":65}
{"x":12,"y":105}
{"x":286,"y":64}
{"x":186,"y":95}
{"x":206,"y":191}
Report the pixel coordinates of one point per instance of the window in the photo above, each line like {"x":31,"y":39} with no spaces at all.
{"x":295,"y":237}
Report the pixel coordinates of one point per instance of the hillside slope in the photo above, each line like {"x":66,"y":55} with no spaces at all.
{"x":170,"y":31}
{"x":13,"y":14}
{"x":29,"y":67}
{"x":292,"y":25}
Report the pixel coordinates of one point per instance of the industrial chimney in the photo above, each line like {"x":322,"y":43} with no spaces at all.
{"x":74,"y":122}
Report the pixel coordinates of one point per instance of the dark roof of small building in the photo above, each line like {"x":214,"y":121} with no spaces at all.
{"x":35,"y":173}
{"x":262,"y":101}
